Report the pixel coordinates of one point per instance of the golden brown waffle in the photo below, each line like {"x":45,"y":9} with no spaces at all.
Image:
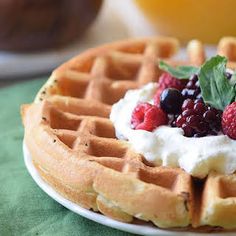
{"x":73,"y":144}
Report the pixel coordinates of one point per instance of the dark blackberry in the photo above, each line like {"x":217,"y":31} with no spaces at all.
{"x":228,"y":75}
{"x":192,"y":89}
{"x":198,"y":120}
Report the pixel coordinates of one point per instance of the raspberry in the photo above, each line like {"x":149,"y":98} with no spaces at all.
{"x":148,"y":117}
{"x":167,"y":81}
{"x":157,"y":96}
{"x":229,"y":121}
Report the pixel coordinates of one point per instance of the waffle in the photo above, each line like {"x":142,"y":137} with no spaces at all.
{"x":74,"y":148}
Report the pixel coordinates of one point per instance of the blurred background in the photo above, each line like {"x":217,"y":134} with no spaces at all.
{"x":38,"y":35}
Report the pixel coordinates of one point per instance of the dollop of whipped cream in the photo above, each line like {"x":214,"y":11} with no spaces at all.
{"x":168,"y":146}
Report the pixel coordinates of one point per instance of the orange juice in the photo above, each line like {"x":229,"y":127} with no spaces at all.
{"x":207,"y":20}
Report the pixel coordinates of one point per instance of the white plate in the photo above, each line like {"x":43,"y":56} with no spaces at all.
{"x":142,"y":229}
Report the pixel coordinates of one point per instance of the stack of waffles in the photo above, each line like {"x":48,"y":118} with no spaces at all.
{"x":74,"y":147}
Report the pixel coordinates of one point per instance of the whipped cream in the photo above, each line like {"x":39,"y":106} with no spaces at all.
{"x":168,"y":146}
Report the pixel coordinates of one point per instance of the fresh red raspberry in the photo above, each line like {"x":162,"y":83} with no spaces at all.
{"x":148,"y":117}
{"x":167,"y":81}
{"x":229,"y":120}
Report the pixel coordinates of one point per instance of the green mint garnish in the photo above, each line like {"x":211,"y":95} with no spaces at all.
{"x":180,"y":72}
{"x":216,"y":89}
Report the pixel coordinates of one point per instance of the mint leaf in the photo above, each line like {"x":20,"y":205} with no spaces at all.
{"x":215,"y":87}
{"x":180,"y":72}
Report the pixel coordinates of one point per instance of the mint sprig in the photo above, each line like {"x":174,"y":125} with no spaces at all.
{"x":180,"y":72}
{"x":216,"y":89}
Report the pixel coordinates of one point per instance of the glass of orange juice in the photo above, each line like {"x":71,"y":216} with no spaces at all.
{"x":207,"y":20}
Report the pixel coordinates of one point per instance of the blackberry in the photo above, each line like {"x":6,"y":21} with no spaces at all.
{"x":228,"y":75}
{"x":192,"y":89}
{"x":198,"y":119}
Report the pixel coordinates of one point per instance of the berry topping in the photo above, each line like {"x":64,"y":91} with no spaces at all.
{"x":229,"y":120}
{"x":192,"y":89}
{"x":185,"y":105}
{"x":167,"y":81}
{"x":171,"y":101}
{"x":197,"y":119}
{"x":148,"y":117}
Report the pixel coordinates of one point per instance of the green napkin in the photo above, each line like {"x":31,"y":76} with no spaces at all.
{"x":24,"y":208}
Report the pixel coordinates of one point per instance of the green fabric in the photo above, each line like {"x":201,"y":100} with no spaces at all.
{"x":24,"y":208}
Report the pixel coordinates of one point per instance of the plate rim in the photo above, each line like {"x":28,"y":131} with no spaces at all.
{"x":97,"y":217}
